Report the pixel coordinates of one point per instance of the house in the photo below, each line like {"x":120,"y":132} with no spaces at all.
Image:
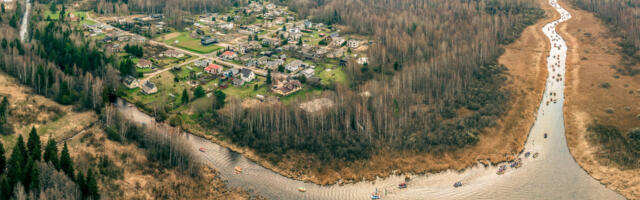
{"x":213,"y":69}
{"x":203,"y":62}
{"x":271,"y":41}
{"x":286,"y":87}
{"x":149,"y":88}
{"x":208,"y":40}
{"x":238,"y":82}
{"x":294,"y":66}
{"x":308,"y":72}
{"x":247,"y":75}
{"x":262,"y":60}
{"x":308,"y":24}
{"x":362,"y":60}
{"x":353,"y":43}
{"x":273,"y":65}
{"x":172,"y":53}
{"x":337,"y":41}
{"x":131,"y":82}
{"x":295,"y":36}
{"x":143,"y":63}
{"x":229,"y":55}
{"x":231,"y":72}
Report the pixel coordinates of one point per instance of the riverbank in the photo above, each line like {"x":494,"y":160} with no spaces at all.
{"x":498,"y":144}
{"x":593,"y":50}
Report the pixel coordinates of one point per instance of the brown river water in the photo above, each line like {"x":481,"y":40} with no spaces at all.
{"x":554,"y":174}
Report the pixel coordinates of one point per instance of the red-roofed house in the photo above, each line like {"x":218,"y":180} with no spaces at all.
{"x":213,"y":69}
{"x":229,"y":55}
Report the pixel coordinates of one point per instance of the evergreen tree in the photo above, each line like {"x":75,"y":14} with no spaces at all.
{"x":51,"y":153}
{"x":14,"y":168}
{"x":26,"y":176}
{"x":66,"y":164}
{"x":5,"y":188}
{"x":198,"y":92}
{"x":82,"y":184}
{"x":92,"y":186}
{"x":34,"y":145}
{"x":34,"y":174}
{"x":269,"y":77}
{"x":3,"y":160}
{"x":185,"y":96}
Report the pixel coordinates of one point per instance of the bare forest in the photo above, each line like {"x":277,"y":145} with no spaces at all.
{"x":432,"y":84}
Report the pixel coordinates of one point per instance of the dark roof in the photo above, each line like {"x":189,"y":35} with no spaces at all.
{"x":245,"y":72}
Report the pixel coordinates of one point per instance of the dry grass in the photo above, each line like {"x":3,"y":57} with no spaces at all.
{"x":592,"y":52}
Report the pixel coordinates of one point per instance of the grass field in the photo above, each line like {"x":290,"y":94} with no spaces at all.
{"x":186,"y":42}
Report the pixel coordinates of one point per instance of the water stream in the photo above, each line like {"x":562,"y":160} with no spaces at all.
{"x":554,"y":174}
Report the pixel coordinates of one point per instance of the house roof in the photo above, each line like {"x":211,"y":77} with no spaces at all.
{"x":144,"y":62}
{"x":212,"y":67}
{"x":229,"y":53}
{"x":246,"y":72}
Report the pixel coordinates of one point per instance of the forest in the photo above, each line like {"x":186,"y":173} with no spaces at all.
{"x":432,"y":85}
{"x":624,"y":20}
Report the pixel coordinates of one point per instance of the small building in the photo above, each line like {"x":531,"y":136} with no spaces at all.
{"x":271,"y":42}
{"x":172,"y":53}
{"x":208,"y":40}
{"x":294,"y":66}
{"x":353,"y":43}
{"x":144,"y":63}
{"x":214,"y":69}
{"x":247,"y":75}
{"x":308,"y":72}
{"x":362,"y":60}
{"x":131,"y":82}
{"x":238,"y":82}
{"x":148,"y":88}
{"x":203,"y":62}
{"x":229,"y":55}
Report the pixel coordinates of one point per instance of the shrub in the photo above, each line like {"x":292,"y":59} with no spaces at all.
{"x":605,"y":85}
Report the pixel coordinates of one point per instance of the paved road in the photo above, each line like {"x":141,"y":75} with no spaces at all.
{"x":213,"y":56}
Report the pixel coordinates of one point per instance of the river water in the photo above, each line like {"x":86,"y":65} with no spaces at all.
{"x":554,"y":174}
{"x":25,"y":21}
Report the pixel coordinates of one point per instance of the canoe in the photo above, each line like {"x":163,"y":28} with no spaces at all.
{"x":302,"y":189}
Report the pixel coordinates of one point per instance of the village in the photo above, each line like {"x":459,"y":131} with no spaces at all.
{"x":261,"y":52}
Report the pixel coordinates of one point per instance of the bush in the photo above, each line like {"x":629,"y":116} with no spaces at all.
{"x":605,"y":85}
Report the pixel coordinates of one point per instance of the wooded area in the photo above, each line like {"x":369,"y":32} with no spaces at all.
{"x":432,"y":83}
{"x":624,"y":19}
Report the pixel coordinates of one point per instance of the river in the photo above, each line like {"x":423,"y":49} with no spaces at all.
{"x":554,"y":174}
{"x":25,"y":21}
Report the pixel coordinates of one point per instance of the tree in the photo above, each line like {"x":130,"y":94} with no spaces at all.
{"x":51,"y":153}
{"x":16,"y":162}
{"x":5,"y":188}
{"x":82,"y":184}
{"x":34,"y":175}
{"x":92,"y":186}
{"x":34,"y":145}
{"x":3,"y":159}
{"x":268,"y":81}
{"x":198,"y":92}
{"x":4,"y":43}
{"x":4,"y":110}
{"x":3,"y":9}
{"x":185,"y":96}
{"x":66,"y":164}
{"x":219,"y":100}
{"x":53,"y":8}
{"x":300,"y":41}
{"x":127,"y":67}
{"x":280,"y":68}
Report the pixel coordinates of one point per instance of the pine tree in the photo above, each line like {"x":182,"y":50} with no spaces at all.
{"x":34,"y":174}
{"x":26,"y":176}
{"x":82,"y":184}
{"x":269,"y":77}
{"x":185,"y":96}
{"x":51,"y":153}
{"x":34,"y":144}
{"x":5,"y":188}
{"x":3,"y":159}
{"x":66,"y":164}
{"x":92,"y":186}
{"x":14,"y":168}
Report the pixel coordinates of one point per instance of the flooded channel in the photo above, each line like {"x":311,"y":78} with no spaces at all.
{"x":553,"y":174}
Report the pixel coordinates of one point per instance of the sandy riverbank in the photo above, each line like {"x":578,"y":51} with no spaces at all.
{"x":592,"y":52}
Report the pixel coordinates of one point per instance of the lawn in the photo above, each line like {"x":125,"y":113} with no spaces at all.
{"x":301,"y":94}
{"x":335,"y":75}
{"x":186,"y":42}
{"x":246,"y":90}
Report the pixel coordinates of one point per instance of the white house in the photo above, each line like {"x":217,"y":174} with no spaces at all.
{"x":247,"y":75}
{"x":294,"y":66}
{"x":353,"y":43}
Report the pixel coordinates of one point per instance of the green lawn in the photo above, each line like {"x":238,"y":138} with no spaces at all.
{"x":246,"y":90}
{"x":301,"y":94}
{"x":186,"y":42}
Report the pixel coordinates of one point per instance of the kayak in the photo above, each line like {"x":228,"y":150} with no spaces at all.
{"x":375,"y":197}
{"x":535,"y":155}
{"x":302,"y":189}
{"x":237,"y":170}
{"x":457,"y":184}
{"x":402,"y":185}
{"x":526,"y":155}
{"x":202,"y":149}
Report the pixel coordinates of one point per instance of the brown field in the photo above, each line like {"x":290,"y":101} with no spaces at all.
{"x":527,"y":73}
{"x":592,"y":52}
